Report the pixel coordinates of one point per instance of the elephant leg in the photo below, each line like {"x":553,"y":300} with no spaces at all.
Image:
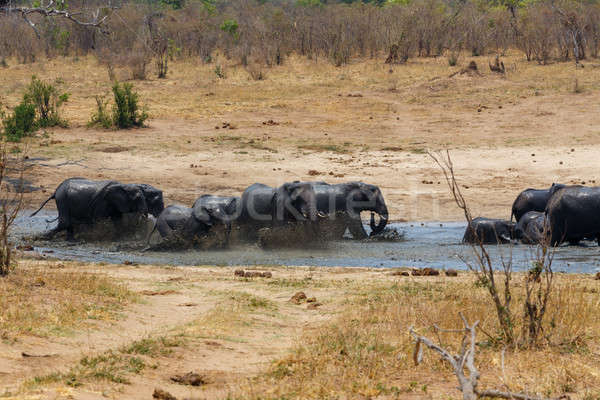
{"x":356,"y":229}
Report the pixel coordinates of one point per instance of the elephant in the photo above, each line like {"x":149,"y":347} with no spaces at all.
{"x":153,"y":197}
{"x":533,"y":200}
{"x":573,"y":214}
{"x":83,"y":201}
{"x":489,"y":231}
{"x":263,"y":206}
{"x":186,"y":223}
{"x":530,"y":228}
{"x":345,"y":201}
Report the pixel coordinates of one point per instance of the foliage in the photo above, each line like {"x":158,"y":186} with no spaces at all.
{"x":47,"y":101}
{"x":101,"y":117}
{"x":20,"y":123}
{"x":126,"y":111}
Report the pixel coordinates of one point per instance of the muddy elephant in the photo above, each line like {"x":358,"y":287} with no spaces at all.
{"x":533,"y":200}
{"x":345,"y":201}
{"x":530,"y":228}
{"x":489,"y":231}
{"x":573,"y":214}
{"x":187,"y":224}
{"x":263,"y":206}
{"x":82,"y":201}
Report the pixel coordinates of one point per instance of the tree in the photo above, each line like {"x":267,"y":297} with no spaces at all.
{"x":59,"y":9}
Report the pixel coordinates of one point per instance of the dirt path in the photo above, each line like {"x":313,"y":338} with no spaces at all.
{"x":232,"y":328}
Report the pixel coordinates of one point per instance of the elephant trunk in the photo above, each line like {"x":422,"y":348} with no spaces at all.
{"x":383,"y":219}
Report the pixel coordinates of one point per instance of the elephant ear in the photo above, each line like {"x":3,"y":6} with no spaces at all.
{"x":201,"y":214}
{"x":117,"y":196}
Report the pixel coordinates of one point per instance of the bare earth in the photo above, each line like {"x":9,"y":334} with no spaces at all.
{"x":306,"y":121}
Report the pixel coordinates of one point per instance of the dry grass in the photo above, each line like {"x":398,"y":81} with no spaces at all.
{"x":193,"y":90}
{"x":367,"y":351}
{"x":42,"y":301}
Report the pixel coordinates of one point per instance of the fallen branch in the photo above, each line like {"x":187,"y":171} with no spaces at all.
{"x":465,"y":359}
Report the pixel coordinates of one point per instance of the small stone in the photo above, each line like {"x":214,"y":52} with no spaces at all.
{"x":162,"y":395}
{"x":313,"y":306}
{"x":191,"y":379}
{"x":298,"y":298}
{"x":451,"y":272}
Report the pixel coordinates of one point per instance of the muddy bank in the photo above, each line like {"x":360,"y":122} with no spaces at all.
{"x":432,"y":244}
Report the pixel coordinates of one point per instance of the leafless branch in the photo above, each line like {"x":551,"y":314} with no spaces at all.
{"x":464,"y":361}
{"x":54,"y":8}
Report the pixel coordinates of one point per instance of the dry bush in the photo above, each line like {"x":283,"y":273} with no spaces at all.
{"x":11,"y":200}
{"x":41,"y":300}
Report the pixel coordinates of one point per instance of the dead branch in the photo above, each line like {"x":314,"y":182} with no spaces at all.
{"x":58,"y":8}
{"x":465,"y":360}
{"x":484,"y":268}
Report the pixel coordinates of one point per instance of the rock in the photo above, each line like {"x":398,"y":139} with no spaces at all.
{"x":252,"y":274}
{"x":162,"y":395}
{"x":451,"y":272}
{"x":298,"y":298}
{"x":597,"y":277}
{"x":25,"y":247}
{"x":399,"y":273}
{"x":313,"y":306}
{"x":425,"y":272}
{"x":311,"y":300}
{"x":191,"y":379}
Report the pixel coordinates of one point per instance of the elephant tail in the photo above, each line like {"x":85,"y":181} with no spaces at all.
{"x":43,"y":204}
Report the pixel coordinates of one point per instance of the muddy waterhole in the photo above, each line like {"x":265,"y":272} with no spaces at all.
{"x":427,"y":244}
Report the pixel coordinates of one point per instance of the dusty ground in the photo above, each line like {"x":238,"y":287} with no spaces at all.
{"x":359,"y":122}
{"x":247,"y":340}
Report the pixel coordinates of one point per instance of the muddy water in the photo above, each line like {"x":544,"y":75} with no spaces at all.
{"x":431,"y":244}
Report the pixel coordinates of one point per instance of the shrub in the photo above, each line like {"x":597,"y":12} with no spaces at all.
{"x":101,"y":117}
{"x":220,"y":72}
{"x":20,"y":123}
{"x":47,"y":100}
{"x":126,"y":111}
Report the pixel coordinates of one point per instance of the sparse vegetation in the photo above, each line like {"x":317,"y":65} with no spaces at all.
{"x":71,"y":300}
{"x":126,"y":112}
{"x":47,"y":101}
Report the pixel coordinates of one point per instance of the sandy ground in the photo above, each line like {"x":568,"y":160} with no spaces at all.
{"x":187,"y":159}
{"x":307,"y":122}
{"x":178,"y":301}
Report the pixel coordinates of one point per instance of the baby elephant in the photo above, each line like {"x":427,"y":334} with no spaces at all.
{"x":530,"y":228}
{"x":489,"y":231}
{"x":187,"y":224}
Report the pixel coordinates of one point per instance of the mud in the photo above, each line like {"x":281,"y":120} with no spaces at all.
{"x":433,"y":244}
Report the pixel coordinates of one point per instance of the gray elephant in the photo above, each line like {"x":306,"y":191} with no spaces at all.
{"x":533,"y":200}
{"x":82,"y":201}
{"x":342,"y":204}
{"x":530,"y":228}
{"x":573,"y":214}
{"x":263,"y":206}
{"x":489,"y":231}
{"x":188,"y":224}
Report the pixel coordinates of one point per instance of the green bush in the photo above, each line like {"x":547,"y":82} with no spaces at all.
{"x":47,"y":101}
{"x":101,"y":117}
{"x":126,"y":112}
{"x":20,"y":123}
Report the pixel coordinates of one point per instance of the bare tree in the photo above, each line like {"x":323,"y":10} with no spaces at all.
{"x":60,"y":9}
{"x":538,"y":282}
{"x":11,"y":201}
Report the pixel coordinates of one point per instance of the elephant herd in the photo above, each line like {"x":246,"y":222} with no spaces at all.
{"x":310,"y":210}
{"x":559,"y":214}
